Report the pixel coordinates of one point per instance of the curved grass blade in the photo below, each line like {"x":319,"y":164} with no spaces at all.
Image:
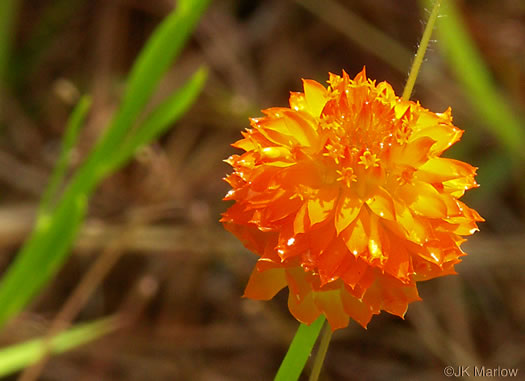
{"x":160,"y":119}
{"x":299,"y":351}
{"x":48,"y":245}
{"x":155,"y":58}
{"x":8,"y":12}
{"x":74,"y":124}
{"x":30,"y":55}
{"x":471,"y":71}
{"x":16,"y":357}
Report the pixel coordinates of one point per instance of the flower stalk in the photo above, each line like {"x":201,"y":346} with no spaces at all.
{"x":421,"y":50}
{"x":321,"y":353}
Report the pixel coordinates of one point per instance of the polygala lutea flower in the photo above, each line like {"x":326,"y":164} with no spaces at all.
{"x":346,"y":200}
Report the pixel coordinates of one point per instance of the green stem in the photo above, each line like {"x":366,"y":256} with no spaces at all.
{"x":299,"y":351}
{"x":321,"y":353}
{"x":418,"y":60}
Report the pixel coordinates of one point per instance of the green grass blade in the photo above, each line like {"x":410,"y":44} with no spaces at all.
{"x":467,"y":63}
{"x":20,"y":356}
{"x":161,"y":118}
{"x":48,"y":245}
{"x":299,"y":351}
{"x":159,"y":52}
{"x":8,"y":11}
{"x":493,"y":171}
{"x":44,"y":251}
{"x":42,"y":35}
{"x":75,"y":122}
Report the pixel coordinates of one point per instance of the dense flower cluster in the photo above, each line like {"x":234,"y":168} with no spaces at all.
{"x":346,"y":200}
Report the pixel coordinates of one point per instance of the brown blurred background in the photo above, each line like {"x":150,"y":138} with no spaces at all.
{"x":181,"y":276}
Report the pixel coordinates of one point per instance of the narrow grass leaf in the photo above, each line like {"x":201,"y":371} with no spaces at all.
{"x":19,"y":356}
{"x":8,"y":12}
{"x":471,"y":71}
{"x":493,"y":171}
{"x":44,"y":251}
{"x":48,"y":245}
{"x":160,"y":119}
{"x":75,"y":122}
{"x":155,"y":58}
{"x":42,"y":35}
{"x":299,"y":351}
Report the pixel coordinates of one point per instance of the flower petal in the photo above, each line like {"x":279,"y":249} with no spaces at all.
{"x":424,"y":199}
{"x":444,"y":134}
{"x":297,"y":101}
{"x":297,"y":282}
{"x":396,"y":297}
{"x":399,"y":263}
{"x":263,"y":285}
{"x":329,"y":302}
{"x":348,"y":207}
{"x":322,"y":206}
{"x":356,"y":235}
{"x":380,"y":202}
{"x":439,"y":169}
{"x":356,"y":309}
{"x":355,"y":270}
{"x":300,"y":222}
{"x":331,"y":260}
{"x":305,"y":310}
{"x":413,"y":154}
{"x":316,"y":96}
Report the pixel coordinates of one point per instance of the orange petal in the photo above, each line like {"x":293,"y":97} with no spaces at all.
{"x":322,"y":206}
{"x":399,"y":263}
{"x":245,"y":144}
{"x":380,"y":202}
{"x":305,"y":311}
{"x":366,"y":281}
{"x":301,"y":124}
{"x":354,"y":272}
{"x":263,"y":285}
{"x":424,"y":199}
{"x":330,"y":261}
{"x":444,"y":134}
{"x":375,"y":244}
{"x":356,"y":235}
{"x":289,"y":128}
{"x":348,"y":207}
{"x":316,"y":96}
{"x":251,"y":237}
{"x":319,"y":239}
{"x":329,"y":302}
{"x":439,"y":169}
{"x":414,"y":153}
{"x":373,"y":297}
{"x":469,"y":212}
{"x":356,"y":309}
{"x":416,"y":229}
{"x":396,"y":296}
{"x":300,"y":223}
{"x":297,"y":101}
{"x":275,"y":131}
{"x":457,"y":187}
{"x":281,"y":208}
{"x":297,"y":282}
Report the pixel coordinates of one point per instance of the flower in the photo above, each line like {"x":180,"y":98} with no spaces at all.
{"x":346,"y":199}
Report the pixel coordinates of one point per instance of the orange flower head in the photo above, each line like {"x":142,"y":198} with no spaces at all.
{"x":346,"y":200}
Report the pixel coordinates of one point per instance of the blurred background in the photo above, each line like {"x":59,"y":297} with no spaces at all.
{"x":180,"y":277}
